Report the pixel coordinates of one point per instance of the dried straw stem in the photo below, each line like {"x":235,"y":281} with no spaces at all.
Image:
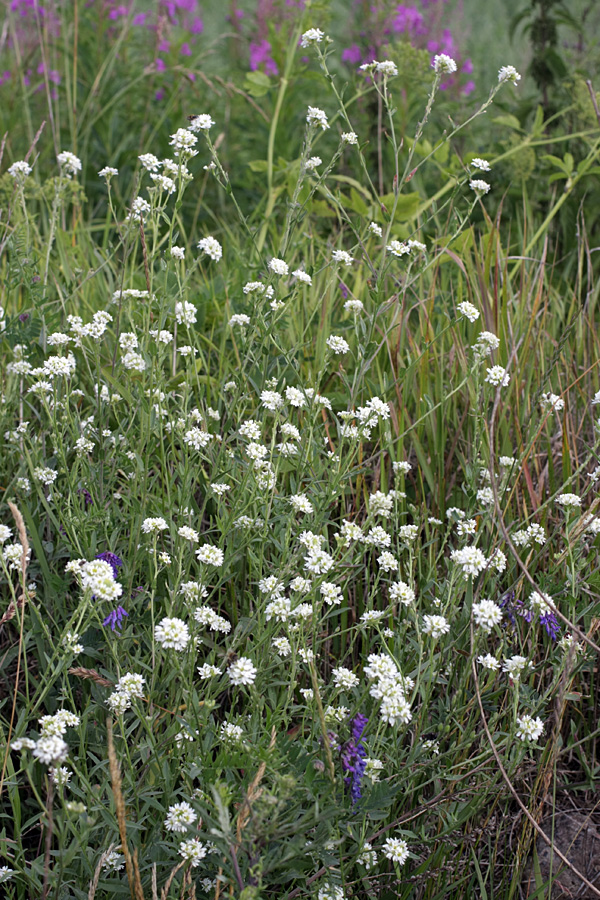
{"x":96,"y":878}
{"x":80,"y":672}
{"x":131,"y":864}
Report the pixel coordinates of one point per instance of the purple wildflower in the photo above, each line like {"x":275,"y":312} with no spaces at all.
{"x":548,"y":620}
{"x":408,"y":18}
{"x":261,"y":53}
{"x":359,"y":723}
{"x":115,"y":618}
{"x":514,"y":608}
{"x":507,"y":602}
{"x":352,"y":55}
{"x":353,"y":758}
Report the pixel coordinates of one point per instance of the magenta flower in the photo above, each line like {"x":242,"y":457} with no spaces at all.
{"x":260,"y":54}
{"x":352,"y":55}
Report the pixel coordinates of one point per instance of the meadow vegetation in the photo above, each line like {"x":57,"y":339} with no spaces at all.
{"x":299,"y":518}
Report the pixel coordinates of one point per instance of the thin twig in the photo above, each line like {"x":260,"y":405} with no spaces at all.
{"x":511,"y":788}
{"x":94,"y":882}
{"x":594,"y":100}
{"x":133,"y":875}
{"x":48,"y":841}
{"x":24,"y":562}
{"x":165,"y":891}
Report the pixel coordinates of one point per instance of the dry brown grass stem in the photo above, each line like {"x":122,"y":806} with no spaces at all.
{"x":48,"y":841}
{"x":80,"y":672}
{"x":94,"y":882}
{"x":514,"y":793}
{"x":131,"y":866}
{"x":165,"y":891}
{"x":21,"y":605}
{"x":253,"y":793}
{"x":491,"y":435}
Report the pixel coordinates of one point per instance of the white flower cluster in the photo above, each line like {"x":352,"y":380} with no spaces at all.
{"x":242,"y":671}
{"x":50,"y":748}
{"x":533,"y":534}
{"x":211,"y":247}
{"x":19,"y":171}
{"x":485,"y":343}
{"x":317,"y":118}
{"x":552,"y":402}
{"x":497,"y":376}
{"x":471,"y":560}
{"x":443,"y":64}
{"x":201,"y":122}
{"x":529,"y":729}
{"x":184,"y":144}
{"x":311,"y":37}
{"x":129,"y":686}
{"x":508,"y":73}
{"x":206,"y":616}
{"x":386,"y":67}
{"x":479,"y":186}
{"x":69,"y":163}
{"x":98,"y":577}
{"x":396,"y":849}
{"x":569,"y":501}
{"x":180,"y":817}
{"x":172,"y":633}
{"x":390,"y":687}
{"x":467,"y":310}
{"x":435,"y":626}
{"x":487,"y":614}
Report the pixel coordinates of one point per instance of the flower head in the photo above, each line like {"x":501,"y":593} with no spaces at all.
{"x":396,"y":849}
{"x":193,"y":851}
{"x":342,"y":257}
{"x":529,"y":729}
{"x":202,"y":122}
{"x":180,"y":817}
{"x":242,"y":671}
{"x":479,"y":186}
{"x":568,"y":501}
{"x":317,"y":117}
{"x":19,"y":171}
{"x":487,"y":614}
{"x":278,"y":266}
{"x":172,"y":633}
{"x":115,"y":618}
{"x":211,"y":247}
{"x":467,"y":310}
{"x":337,"y":344}
{"x":508,"y":73}
{"x":443,"y":64}
{"x":69,"y":163}
{"x":435,"y":626}
{"x":497,"y":376}
{"x":311,"y":37}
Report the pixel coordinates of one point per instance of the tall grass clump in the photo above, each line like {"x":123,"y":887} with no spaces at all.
{"x":299,"y":521}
